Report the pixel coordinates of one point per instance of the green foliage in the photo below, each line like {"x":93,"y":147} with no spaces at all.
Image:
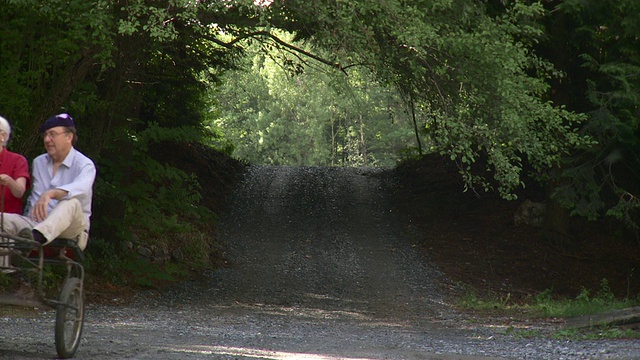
{"x":601,"y":179}
{"x":595,"y":334}
{"x":161,"y":197}
{"x":627,"y":210}
{"x":147,"y":274}
{"x":104,"y":257}
{"x":497,"y":114}
{"x":546,"y":305}
{"x":137,"y":77}
{"x":581,"y":193}
{"x":196,"y":246}
{"x":523,"y":333}
{"x":5,"y":280}
{"x":471,"y":301}
{"x":584,"y":304}
{"x":309,"y":116}
{"x":46,"y":48}
{"x":475,"y":80}
{"x":122,"y":266}
{"x":602,"y":300}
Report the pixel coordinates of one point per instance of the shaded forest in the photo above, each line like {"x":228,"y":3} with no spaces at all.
{"x":513,"y":94}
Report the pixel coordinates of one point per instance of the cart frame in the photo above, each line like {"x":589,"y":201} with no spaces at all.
{"x":33,"y":257}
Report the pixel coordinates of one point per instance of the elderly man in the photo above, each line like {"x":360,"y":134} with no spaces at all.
{"x":60,"y":200}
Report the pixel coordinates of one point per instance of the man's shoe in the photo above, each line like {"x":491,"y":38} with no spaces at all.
{"x":32,"y":234}
{"x":26,"y":233}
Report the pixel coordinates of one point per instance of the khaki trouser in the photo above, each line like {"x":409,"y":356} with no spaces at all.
{"x":66,"y":220}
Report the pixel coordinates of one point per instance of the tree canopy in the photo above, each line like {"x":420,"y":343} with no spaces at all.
{"x":278,"y":115}
{"x":501,"y":88}
{"x":473,"y":79}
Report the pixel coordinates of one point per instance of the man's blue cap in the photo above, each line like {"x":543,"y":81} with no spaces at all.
{"x":57,"y":120}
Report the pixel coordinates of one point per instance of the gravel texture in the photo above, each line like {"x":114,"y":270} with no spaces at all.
{"x":321,"y":267}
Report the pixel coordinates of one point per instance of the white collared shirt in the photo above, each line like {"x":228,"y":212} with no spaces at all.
{"x":75,"y":175}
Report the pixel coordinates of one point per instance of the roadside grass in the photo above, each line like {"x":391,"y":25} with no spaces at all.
{"x":596,"y":333}
{"x":585,"y":303}
{"x":546,"y":305}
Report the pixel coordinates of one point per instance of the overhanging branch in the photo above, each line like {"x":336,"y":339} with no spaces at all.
{"x":231,"y":45}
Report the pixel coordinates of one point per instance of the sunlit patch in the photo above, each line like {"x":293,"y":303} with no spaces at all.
{"x":329,"y":297}
{"x":128,"y":324}
{"x":257,"y":353}
{"x":303,"y":312}
{"x":312,"y":314}
{"x":262,"y":3}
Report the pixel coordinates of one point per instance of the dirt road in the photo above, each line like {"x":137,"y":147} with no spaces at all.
{"x":321,"y":267}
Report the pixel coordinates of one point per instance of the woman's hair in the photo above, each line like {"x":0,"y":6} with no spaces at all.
{"x":4,"y":126}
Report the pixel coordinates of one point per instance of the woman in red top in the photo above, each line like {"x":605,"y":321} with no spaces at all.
{"x":14,"y":172}
{"x":14,"y":179}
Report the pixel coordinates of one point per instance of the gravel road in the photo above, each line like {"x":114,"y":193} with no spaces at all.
{"x":321,"y":267}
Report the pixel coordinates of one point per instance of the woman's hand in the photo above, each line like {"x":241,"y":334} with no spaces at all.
{"x":5,"y":179}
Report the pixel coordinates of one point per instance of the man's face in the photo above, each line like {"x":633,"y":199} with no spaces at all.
{"x":57,"y":141}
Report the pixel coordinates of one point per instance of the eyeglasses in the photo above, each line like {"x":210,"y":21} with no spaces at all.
{"x":52,"y":134}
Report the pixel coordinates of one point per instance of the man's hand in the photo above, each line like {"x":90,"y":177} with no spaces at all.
{"x":39,"y":211}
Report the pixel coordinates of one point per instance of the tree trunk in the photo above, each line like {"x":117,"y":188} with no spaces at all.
{"x":556,"y":223}
{"x":363,"y":144}
{"x":415,"y":125}
{"x":333,"y":143}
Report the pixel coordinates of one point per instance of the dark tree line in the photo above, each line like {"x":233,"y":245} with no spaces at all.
{"x":548,"y":88}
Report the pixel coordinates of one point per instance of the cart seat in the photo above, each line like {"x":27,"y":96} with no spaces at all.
{"x":52,"y":249}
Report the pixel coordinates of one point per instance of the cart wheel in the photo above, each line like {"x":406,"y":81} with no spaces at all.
{"x":69,"y":318}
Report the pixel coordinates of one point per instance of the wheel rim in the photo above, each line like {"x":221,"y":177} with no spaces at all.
{"x":69,"y":318}
{"x":73,"y":319}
